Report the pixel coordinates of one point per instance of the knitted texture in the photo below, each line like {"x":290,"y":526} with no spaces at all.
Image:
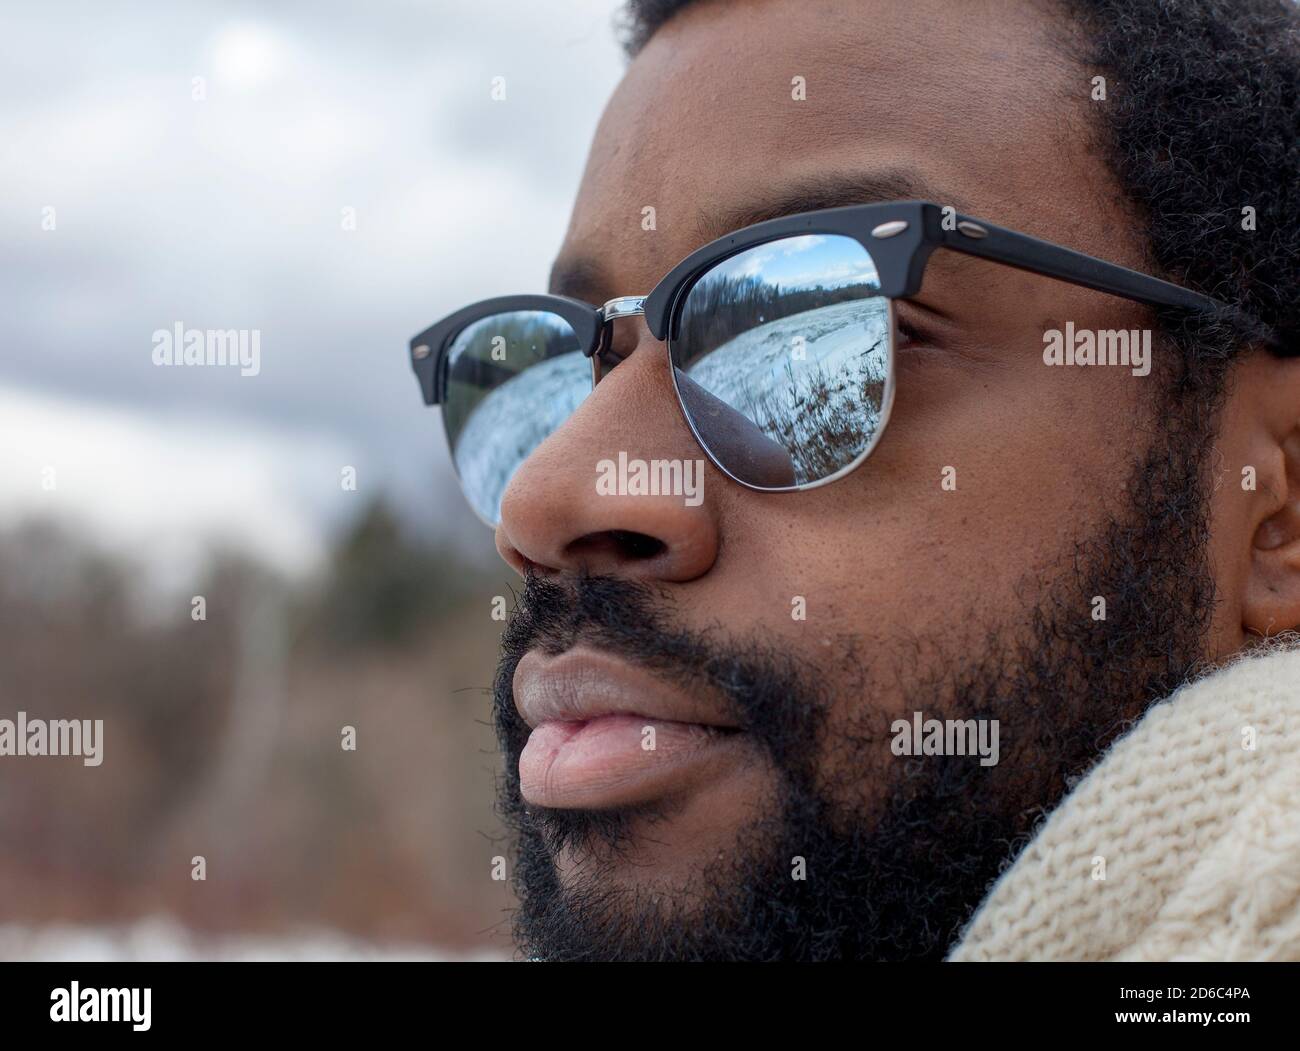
{"x":1200,"y":836}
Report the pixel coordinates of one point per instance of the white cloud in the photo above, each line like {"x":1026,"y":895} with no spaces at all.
{"x":226,"y":212}
{"x":165,"y":490}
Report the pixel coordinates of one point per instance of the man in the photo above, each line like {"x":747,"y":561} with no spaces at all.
{"x":813,"y":702}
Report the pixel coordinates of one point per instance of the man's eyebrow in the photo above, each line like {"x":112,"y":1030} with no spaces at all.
{"x":583,"y":278}
{"x":820,"y":191}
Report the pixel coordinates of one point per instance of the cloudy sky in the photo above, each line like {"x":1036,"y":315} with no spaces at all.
{"x":199,"y":164}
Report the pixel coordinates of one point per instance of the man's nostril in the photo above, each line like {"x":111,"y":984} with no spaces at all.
{"x":618,"y":545}
{"x":636,"y":545}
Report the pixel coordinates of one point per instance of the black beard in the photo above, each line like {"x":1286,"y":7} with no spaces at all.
{"x":896,"y":879}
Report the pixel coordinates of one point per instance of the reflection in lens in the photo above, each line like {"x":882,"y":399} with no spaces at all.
{"x":512,"y":379}
{"x":782,"y":359}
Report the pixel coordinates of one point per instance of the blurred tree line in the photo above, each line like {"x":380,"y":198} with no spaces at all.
{"x":222,"y":739}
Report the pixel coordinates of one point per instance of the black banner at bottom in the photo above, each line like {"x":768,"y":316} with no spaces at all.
{"x":144,"y":1001}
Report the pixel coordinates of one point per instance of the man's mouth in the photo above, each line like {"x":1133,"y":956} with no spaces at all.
{"x":607,"y":734}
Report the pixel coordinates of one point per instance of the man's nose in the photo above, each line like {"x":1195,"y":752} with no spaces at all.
{"x":556,"y":518}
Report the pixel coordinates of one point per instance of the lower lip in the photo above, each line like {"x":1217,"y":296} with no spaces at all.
{"x":619,"y":760}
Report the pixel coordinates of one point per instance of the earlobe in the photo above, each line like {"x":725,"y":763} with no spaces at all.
{"x":1272,"y":599}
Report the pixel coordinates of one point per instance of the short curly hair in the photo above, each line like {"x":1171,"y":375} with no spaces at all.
{"x":1203,"y":121}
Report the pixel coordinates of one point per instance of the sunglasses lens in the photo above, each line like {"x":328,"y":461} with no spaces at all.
{"x":782,"y":359}
{"x":512,"y":379}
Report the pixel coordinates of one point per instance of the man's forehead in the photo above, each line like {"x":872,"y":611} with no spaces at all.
{"x":736,"y":112}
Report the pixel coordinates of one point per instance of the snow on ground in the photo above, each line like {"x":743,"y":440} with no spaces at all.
{"x":161,"y":939}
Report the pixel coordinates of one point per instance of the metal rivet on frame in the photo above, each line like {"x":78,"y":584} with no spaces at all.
{"x":890,"y":229}
{"x":972,"y":229}
{"x":420,"y":353}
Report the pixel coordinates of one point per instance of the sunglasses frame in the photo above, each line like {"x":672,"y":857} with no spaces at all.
{"x":899,"y":237}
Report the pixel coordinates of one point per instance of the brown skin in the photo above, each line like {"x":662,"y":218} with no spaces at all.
{"x":976,"y":100}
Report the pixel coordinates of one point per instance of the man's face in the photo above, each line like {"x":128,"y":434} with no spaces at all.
{"x":771,"y":641}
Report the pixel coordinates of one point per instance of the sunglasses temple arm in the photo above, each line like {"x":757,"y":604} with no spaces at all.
{"x":987,"y":241}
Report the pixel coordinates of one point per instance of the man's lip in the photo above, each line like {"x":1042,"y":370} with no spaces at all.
{"x":583,"y":684}
{"x":608,"y":734}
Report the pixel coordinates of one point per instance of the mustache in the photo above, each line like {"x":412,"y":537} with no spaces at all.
{"x":770,"y":692}
{"x":630,"y":616}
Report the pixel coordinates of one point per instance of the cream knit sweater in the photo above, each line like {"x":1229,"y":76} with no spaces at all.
{"x":1199,"y":832}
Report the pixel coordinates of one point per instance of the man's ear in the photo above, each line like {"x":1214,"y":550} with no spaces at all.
{"x":1271,"y":603}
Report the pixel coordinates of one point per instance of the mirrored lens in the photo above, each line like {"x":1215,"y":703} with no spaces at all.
{"x":512,"y":379}
{"x":782,"y":359}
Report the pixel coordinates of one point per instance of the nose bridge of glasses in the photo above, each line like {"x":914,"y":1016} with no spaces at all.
{"x":601,"y":355}
{"x":623,"y":306}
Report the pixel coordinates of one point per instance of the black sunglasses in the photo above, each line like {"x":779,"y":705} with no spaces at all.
{"x":780,"y":339}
